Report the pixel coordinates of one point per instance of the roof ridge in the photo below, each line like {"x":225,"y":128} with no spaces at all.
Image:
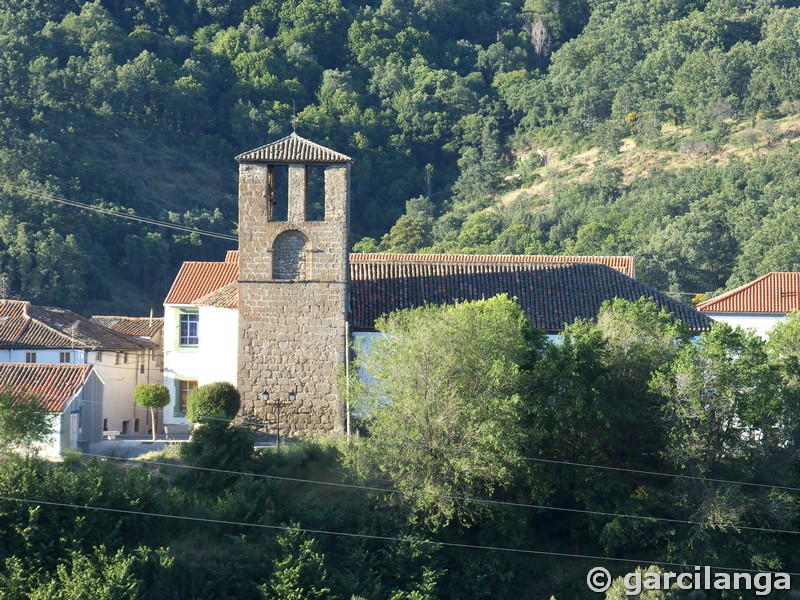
{"x":26,"y":318}
{"x":454,"y":257}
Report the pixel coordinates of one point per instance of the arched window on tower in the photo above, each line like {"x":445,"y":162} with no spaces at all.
{"x":289,"y":256}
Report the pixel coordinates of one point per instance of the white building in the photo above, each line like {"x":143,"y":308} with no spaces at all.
{"x":72,"y":394}
{"x":757,"y":305}
{"x":200,"y":331}
{"x":36,"y":335}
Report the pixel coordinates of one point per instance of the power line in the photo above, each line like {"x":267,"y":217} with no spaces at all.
{"x":467,"y":499}
{"x":138,"y":219}
{"x":567,"y":463}
{"x":603,"y":467}
{"x":374,"y":537}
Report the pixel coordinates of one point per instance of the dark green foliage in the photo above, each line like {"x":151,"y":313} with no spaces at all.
{"x":113,"y":105}
{"x":217,"y":446}
{"x":300,"y":573}
{"x":213,"y":403}
{"x":24,"y":421}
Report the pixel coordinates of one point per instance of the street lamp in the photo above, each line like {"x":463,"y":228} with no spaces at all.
{"x":265,"y":397}
{"x":292,"y":396}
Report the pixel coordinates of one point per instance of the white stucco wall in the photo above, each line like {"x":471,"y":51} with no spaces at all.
{"x":761,"y":323}
{"x":121,"y":377}
{"x":219,"y":344}
{"x":46,"y":357}
{"x":213,"y":359}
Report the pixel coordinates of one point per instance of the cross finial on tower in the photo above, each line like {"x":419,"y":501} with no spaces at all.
{"x":294,"y":117}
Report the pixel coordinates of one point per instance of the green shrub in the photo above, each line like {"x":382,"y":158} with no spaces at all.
{"x":214,"y":402}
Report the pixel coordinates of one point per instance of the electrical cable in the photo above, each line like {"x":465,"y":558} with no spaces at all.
{"x":121,"y":215}
{"x":448,"y":496}
{"x":375,"y":537}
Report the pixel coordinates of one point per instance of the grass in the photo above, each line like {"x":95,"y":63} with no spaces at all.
{"x":672,"y":155}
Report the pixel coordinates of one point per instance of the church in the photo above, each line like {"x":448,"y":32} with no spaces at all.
{"x":275,"y":317}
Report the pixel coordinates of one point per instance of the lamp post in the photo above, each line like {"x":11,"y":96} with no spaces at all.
{"x":293,"y":396}
{"x":265,"y":397}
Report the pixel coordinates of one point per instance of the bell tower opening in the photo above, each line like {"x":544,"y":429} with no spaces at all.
{"x":278,"y":193}
{"x":315,"y":193}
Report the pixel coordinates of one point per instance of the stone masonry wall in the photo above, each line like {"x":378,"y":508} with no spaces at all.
{"x":291,"y":331}
{"x":289,"y":256}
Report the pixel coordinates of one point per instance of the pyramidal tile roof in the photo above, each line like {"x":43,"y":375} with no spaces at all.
{"x":54,"y":385}
{"x":293,"y":149}
{"x":24,"y":325}
{"x":770,"y":293}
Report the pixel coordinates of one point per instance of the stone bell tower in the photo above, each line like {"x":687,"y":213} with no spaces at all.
{"x":293,"y":280}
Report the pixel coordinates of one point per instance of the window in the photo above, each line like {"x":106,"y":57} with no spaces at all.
{"x":315,"y":193}
{"x":125,"y":357}
{"x":98,"y":357}
{"x":30,"y":357}
{"x":141,"y":368}
{"x":136,"y":425}
{"x":105,"y":424}
{"x":188,"y":329}
{"x":184,"y":388}
{"x":64,"y":357}
{"x":277,"y":193}
{"x":117,"y":357}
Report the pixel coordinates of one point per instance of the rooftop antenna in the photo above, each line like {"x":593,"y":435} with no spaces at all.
{"x":294,"y":117}
{"x":4,"y":285}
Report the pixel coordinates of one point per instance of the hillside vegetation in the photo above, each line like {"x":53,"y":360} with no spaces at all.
{"x":139,"y":106}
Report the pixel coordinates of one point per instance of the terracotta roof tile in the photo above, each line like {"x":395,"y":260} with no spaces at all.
{"x":293,"y":149}
{"x":551,"y":295}
{"x":552,"y":290}
{"x":196,"y":279}
{"x":135,"y":326}
{"x":225,"y":297}
{"x":770,"y":293}
{"x":623,"y":264}
{"x":24,"y":325}
{"x":54,"y":385}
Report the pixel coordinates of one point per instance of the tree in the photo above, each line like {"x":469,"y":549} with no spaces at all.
{"x":216,"y":402}
{"x":300,"y":573}
{"x":448,"y":378}
{"x":783,"y":349}
{"x":722,"y":401}
{"x":152,"y":396}
{"x":24,"y":420}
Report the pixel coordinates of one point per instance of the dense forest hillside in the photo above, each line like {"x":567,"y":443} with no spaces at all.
{"x":139,"y":106}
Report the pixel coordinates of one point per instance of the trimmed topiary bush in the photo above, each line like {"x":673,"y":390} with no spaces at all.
{"x":213,"y":403}
{"x":153,"y":396}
